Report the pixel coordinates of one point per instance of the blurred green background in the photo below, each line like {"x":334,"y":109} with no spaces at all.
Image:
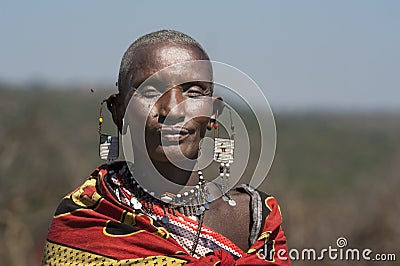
{"x":334,"y":174}
{"x":328,"y":69}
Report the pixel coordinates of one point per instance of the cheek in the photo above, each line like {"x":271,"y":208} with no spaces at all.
{"x":200,"y":123}
{"x":199,"y":110}
{"x":138,"y":120}
{"x":200,"y":119}
{"x":137,"y":111}
{"x":203,"y":129}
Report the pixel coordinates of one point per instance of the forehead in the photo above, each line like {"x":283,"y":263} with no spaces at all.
{"x":173,"y":59}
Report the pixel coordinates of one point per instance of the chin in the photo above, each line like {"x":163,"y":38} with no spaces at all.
{"x":175,"y":153}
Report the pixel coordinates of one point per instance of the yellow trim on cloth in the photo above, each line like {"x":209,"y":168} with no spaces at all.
{"x":55,"y":254}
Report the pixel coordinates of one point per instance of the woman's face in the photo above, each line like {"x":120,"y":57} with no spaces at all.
{"x":175,"y":117}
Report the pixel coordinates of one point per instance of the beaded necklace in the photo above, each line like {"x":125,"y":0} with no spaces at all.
{"x":192,"y":203}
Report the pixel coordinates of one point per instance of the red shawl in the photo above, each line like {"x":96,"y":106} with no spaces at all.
{"x":90,"y":227}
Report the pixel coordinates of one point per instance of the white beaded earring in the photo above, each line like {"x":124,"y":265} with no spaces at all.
{"x":109,"y":145}
{"x":223,"y":154}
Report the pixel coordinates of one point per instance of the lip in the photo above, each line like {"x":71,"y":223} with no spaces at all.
{"x":173,"y":134}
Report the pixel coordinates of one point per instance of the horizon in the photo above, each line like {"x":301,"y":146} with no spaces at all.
{"x":313,"y":110}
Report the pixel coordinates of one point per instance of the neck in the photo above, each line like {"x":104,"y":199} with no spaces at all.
{"x":183,"y":177}
{"x":151,"y":175}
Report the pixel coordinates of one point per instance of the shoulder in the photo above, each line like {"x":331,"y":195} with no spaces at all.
{"x":264,"y":211}
{"x":267,"y":237}
{"x":258,"y":200}
{"x":88,"y":194}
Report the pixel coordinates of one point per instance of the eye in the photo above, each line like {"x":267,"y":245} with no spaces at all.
{"x":194,"y":91}
{"x":149,"y":92}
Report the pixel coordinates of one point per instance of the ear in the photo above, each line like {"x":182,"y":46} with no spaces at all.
{"x":218,"y":107}
{"x":116,"y":106}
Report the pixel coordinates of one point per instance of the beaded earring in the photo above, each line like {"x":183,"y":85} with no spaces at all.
{"x":109,"y":145}
{"x":223,"y":154}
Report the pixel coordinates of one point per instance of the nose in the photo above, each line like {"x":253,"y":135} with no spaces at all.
{"x":171,"y":107}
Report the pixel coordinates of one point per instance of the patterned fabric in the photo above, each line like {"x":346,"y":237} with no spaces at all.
{"x":180,"y":227}
{"x":95,"y":225}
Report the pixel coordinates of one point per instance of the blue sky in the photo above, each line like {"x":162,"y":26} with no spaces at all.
{"x":303,"y":54}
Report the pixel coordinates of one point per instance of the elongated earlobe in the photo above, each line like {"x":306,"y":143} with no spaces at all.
{"x":218,"y":107}
{"x":211,"y":122}
{"x":115,"y":105}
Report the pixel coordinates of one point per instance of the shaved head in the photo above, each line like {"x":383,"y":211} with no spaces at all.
{"x":127,"y":69}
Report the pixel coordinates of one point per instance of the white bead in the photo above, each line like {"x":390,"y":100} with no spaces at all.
{"x":232,"y":202}
{"x":166,"y":198}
